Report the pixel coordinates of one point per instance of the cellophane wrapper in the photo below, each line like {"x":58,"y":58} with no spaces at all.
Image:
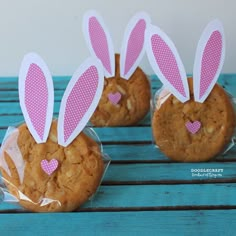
{"x":37,"y":200}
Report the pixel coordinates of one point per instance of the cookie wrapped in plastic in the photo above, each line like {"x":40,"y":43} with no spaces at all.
{"x":123,"y":102}
{"x":192,"y":131}
{"x":48,"y":164}
{"x":48,"y":177}
{"x":193,"y":118}
{"x":126,"y":95}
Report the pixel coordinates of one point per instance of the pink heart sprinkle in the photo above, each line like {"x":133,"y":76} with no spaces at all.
{"x":49,"y":166}
{"x":193,"y":127}
{"x":114,"y":97}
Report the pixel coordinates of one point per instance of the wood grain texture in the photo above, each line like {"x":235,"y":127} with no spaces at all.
{"x":116,"y":135}
{"x":170,"y":172}
{"x":155,"y":197}
{"x":203,"y":222}
{"x":142,"y":193}
{"x":148,"y":152}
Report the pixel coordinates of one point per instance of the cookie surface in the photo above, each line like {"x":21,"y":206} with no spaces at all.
{"x":123,"y":102}
{"x":217,"y":124}
{"x":79,"y":172}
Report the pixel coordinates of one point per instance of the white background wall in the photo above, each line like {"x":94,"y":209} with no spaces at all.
{"x":53,"y":29}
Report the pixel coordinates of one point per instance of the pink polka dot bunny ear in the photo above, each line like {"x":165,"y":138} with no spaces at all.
{"x":166,"y":62}
{"x":99,"y":41}
{"x":36,"y":96}
{"x":133,"y":47}
{"x":80,"y":100}
{"x":209,"y":60}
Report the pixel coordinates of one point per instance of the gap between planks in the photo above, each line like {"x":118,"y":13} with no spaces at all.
{"x":130,"y":209}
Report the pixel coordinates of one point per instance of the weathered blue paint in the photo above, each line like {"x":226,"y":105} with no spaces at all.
{"x":143,"y":192}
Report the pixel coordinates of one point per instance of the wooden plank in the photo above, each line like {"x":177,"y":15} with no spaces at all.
{"x":60,"y":82}
{"x":129,"y":149}
{"x":148,"y":152}
{"x":127,"y":152}
{"x":11,"y":83}
{"x":6,"y":120}
{"x":10,"y":120}
{"x":228,"y":81}
{"x":203,"y":222}
{"x":134,"y":153}
{"x":117,"y":134}
{"x":162,"y":197}
{"x":10,"y":108}
{"x":13,"y":96}
{"x":170,"y":172}
{"x":122,"y":134}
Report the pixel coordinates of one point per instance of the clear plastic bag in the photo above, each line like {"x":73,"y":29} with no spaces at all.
{"x":124,"y":102}
{"x":163,"y":96}
{"x":60,"y":186}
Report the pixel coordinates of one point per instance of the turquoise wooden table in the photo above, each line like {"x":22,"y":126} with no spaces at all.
{"x":143,"y":193}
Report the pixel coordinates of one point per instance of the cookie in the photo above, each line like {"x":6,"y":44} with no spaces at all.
{"x":123,"y":102}
{"x":73,"y":181}
{"x":217,"y":124}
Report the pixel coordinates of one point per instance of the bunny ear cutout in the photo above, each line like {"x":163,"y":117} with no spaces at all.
{"x":209,"y":60}
{"x":166,"y":62}
{"x":133,"y":49}
{"x":80,"y":100}
{"x":99,"y":41}
{"x":36,"y":96}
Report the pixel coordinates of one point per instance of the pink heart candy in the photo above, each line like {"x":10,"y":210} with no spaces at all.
{"x":193,"y":127}
{"x":114,"y":97}
{"x":49,"y":166}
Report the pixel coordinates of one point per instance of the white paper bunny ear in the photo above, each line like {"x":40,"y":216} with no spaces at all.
{"x":36,"y":96}
{"x":80,"y":100}
{"x":166,"y":62}
{"x":133,"y":47}
{"x":99,"y":41}
{"x":209,"y":60}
